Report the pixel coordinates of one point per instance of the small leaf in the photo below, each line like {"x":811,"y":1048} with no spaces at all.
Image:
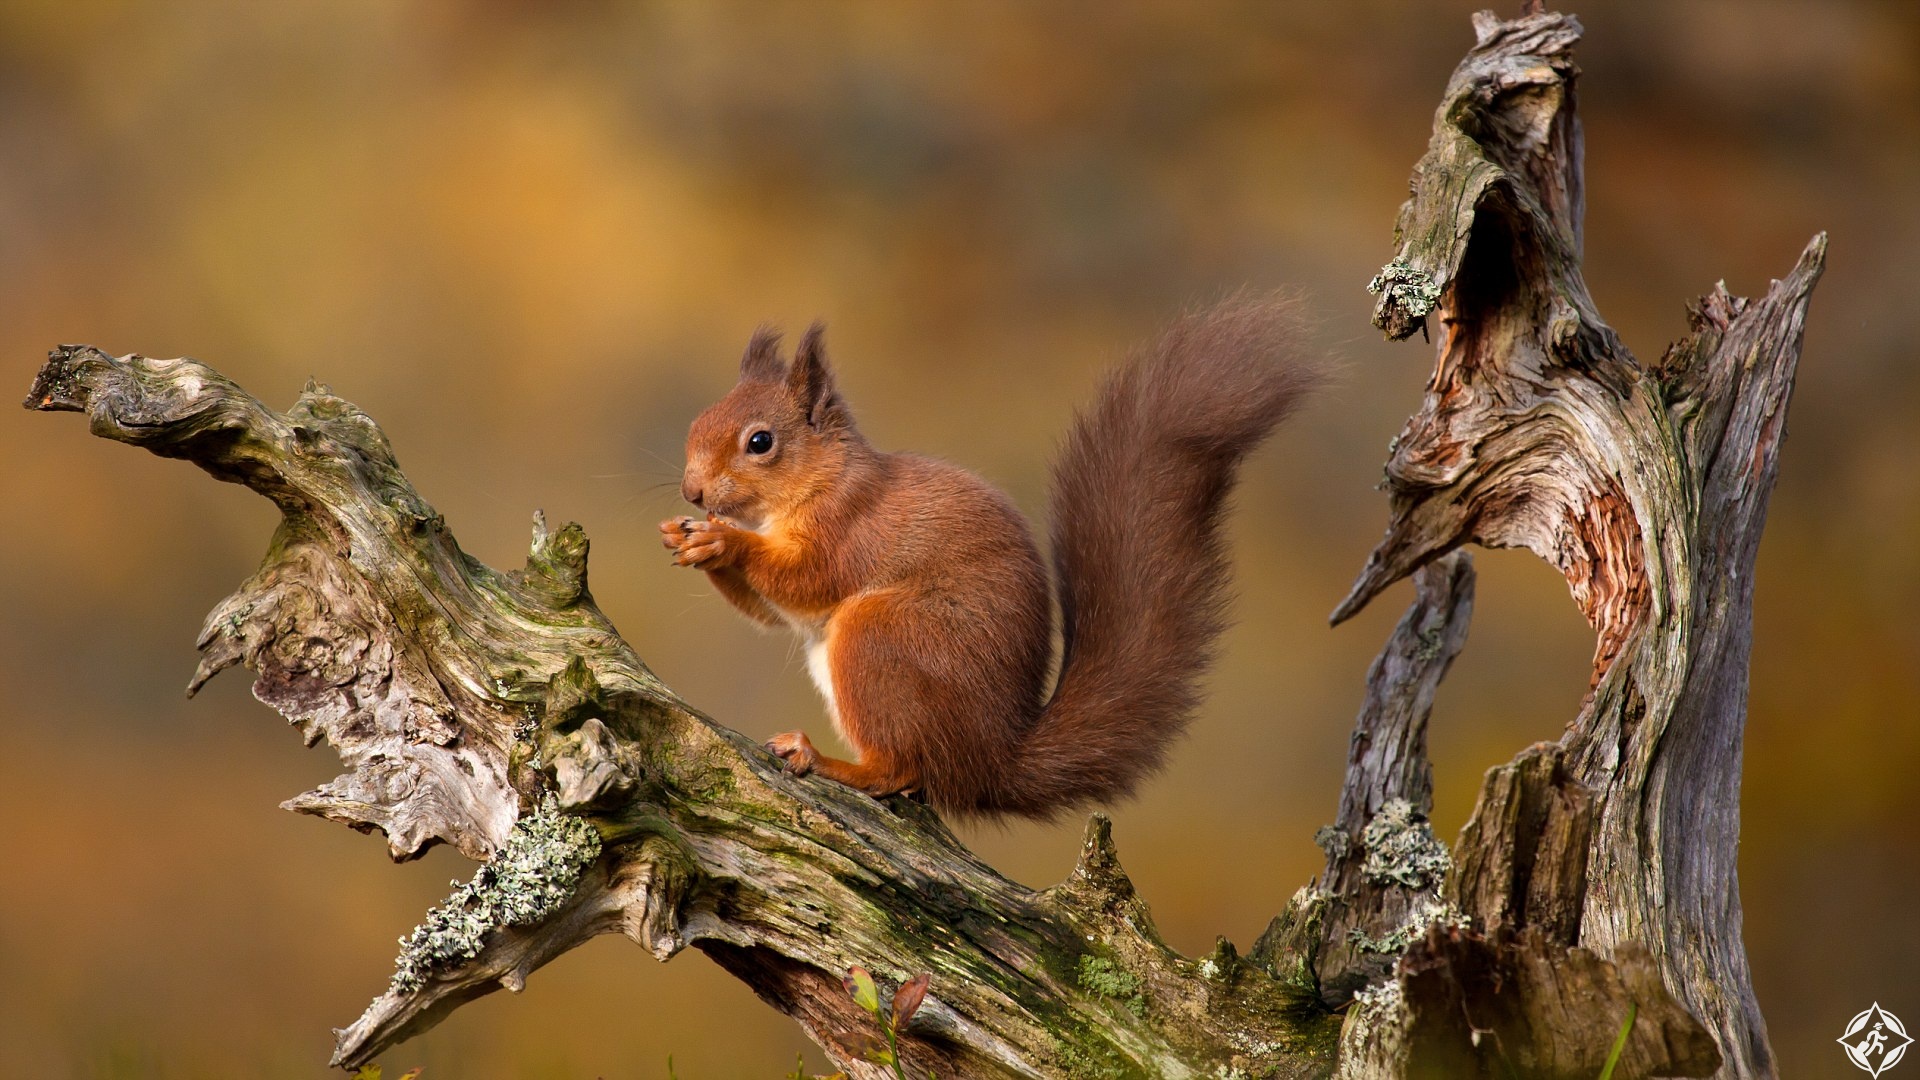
{"x":367,"y":1072}
{"x":413,"y":1073}
{"x":860,"y":984}
{"x":906,"y":1000}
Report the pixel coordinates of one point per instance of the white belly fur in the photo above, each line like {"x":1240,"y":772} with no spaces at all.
{"x":823,"y":679}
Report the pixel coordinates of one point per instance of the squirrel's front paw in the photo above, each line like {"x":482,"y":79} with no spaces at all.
{"x":796,"y":750}
{"x":698,"y":543}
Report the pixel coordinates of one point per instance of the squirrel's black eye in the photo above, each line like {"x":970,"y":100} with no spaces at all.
{"x":759,"y":442}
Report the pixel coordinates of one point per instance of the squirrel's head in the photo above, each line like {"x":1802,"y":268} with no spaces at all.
{"x":780,"y":436}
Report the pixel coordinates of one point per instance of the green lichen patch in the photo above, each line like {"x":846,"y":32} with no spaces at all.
{"x":1096,"y":1062}
{"x":1431,"y":642}
{"x":1413,"y":290}
{"x":1102,"y":976}
{"x":530,"y":877}
{"x":1402,"y":850}
{"x":1415,"y":928}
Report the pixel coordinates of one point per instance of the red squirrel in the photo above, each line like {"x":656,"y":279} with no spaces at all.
{"x":923,"y":602}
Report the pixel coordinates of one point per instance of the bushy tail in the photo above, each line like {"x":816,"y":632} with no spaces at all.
{"x":1139,"y":490}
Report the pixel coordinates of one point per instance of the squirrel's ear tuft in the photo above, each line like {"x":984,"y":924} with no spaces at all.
{"x":761,"y":362}
{"x":811,"y":381}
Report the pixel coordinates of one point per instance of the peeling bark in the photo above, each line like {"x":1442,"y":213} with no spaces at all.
{"x":501,"y":713}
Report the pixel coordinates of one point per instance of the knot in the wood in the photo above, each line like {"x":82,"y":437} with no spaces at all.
{"x":556,"y":563}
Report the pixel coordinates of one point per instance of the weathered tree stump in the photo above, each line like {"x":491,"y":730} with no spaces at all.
{"x":1645,"y":486}
{"x":501,"y":713}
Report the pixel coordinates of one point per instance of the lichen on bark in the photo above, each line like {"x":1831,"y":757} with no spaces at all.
{"x":526,"y":881}
{"x":1401,"y":848}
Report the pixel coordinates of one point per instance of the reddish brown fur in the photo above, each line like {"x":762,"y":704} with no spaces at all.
{"x":923,"y":586}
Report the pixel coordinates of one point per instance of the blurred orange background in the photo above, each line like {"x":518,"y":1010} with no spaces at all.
{"x":531,"y":240}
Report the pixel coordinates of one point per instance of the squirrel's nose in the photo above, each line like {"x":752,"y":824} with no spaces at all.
{"x":690,"y":491}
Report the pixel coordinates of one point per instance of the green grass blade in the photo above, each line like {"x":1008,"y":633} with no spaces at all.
{"x":1619,"y":1042}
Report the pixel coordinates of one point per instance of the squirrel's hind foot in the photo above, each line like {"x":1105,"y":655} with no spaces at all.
{"x":794,"y":748}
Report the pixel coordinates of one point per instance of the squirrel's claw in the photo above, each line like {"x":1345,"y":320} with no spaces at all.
{"x":695,"y":542}
{"x":673,"y":532}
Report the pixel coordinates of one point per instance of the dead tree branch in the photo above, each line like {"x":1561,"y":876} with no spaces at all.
{"x":502,"y":713}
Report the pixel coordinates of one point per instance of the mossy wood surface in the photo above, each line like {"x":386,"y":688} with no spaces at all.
{"x":501,"y":713}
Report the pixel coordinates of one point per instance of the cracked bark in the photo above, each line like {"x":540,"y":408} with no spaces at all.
{"x":501,"y":713}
